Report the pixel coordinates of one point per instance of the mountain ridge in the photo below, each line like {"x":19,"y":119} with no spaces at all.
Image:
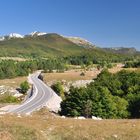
{"x":52,"y":44}
{"x":122,"y":50}
{"x":76,"y":40}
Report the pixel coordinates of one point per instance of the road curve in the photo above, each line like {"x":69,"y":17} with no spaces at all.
{"x":42,"y":96}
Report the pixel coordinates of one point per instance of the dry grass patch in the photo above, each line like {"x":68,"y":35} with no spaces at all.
{"x":74,"y":75}
{"x":96,"y":130}
{"x":119,"y":67}
{"x":15,"y":82}
{"x":47,"y":127}
{"x":4,"y":135}
{"x":71,"y":75}
{"x":13,"y":58}
{"x":115,"y":69}
{"x":17,"y":129}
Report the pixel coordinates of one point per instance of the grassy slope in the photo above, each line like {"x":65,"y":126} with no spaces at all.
{"x":44,"y":127}
{"x":48,"y":45}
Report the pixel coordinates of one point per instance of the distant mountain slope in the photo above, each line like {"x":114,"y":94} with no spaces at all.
{"x":122,"y":50}
{"x":45,"y":45}
{"x":81,"y":42}
{"x":41,"y":44}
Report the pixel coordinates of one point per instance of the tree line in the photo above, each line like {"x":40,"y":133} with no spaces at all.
{"x":132,"y":64}
{"x":97,"y":58}
{"x":11,"y":69}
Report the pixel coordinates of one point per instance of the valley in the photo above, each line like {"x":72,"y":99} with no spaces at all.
{"x":77,"y":71}
{"x":70,"y":70}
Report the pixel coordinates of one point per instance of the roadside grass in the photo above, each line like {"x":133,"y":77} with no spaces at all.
{"x":6,"y":98}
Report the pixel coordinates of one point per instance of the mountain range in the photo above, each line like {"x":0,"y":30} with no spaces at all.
{"x":77,"y":40}
{"x":52,"y":45}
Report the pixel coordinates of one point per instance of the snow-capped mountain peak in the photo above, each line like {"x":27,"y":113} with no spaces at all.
{"x":36,"y":33}
{"x":2,"y":38}
{"x":15,"y":35}
{"x":76,"y":40}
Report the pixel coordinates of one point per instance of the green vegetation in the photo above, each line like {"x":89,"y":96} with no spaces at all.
{"x":11,"y":69}
{"x":104,"y":64}
{"x":97,"y":56}
{"x":49,"y":45}
{"x":110,"y":96}
{"x":132,"y":64}
{"x":58,"y":88}
{"x":24,"y":87}
{"x":55,"y":46}
{"x":52,"y":52}
{"x":6,"y":98}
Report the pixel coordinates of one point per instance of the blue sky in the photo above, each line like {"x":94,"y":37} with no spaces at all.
{"x":106,"y":23}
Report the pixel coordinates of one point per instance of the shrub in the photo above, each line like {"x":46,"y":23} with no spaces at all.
{"x":24,"y":87}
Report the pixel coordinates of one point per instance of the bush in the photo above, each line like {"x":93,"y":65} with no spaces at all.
{"x":82,"y":74}
{"x":58,"y":88}
{"x":24,"y":87}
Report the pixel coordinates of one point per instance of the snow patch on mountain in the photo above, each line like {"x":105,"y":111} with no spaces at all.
{"x":36,"y":33}
{"x":77,"y":40}
{"x":15,"y":35}
{"x":2,"y":38}
{"x":81,"y":42}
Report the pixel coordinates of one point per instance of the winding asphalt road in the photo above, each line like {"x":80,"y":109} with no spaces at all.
{"x":42,"y":94}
